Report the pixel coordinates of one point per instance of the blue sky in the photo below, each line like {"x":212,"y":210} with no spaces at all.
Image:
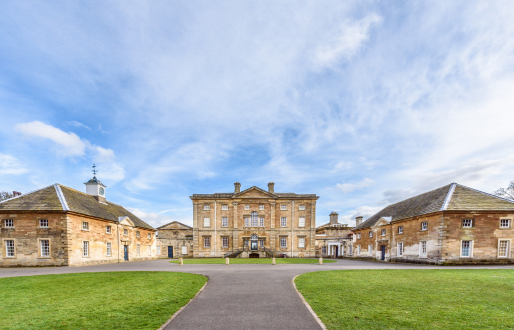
{"x":364,"y":103}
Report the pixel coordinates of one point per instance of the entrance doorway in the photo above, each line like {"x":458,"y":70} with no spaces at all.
{"x":125,"y":252}
{"x":254,"y":243}
{"x":170,"y":251}
{"x":383,"y":252}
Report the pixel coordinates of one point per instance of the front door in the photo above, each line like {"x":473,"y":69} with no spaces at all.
{"x":383,"y":250}
{"x":170,"y":251}
{"x":253,"y":245}
{"x":125,"y":252}
{"x":336,"y":250}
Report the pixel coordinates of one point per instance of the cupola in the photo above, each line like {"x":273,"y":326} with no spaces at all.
{"x":96,"y":188}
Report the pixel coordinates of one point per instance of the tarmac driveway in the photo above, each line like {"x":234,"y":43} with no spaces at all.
{"x":237,"y":296}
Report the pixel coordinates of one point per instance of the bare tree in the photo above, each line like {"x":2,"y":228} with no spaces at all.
{"x":507,"y":193}
{"x":5,"y":195}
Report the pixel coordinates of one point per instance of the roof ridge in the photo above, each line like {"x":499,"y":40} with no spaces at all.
{"x":61,"y":197}
{"x":448,"y":196}
{"x":484,"y":193}
{"x":169,"y":223}
{"x":31,"y":192}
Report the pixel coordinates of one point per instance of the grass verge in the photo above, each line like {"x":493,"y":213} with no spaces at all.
{"x":113,"y":300}
{"x":237,"y":261}
{"x":411,"y":299}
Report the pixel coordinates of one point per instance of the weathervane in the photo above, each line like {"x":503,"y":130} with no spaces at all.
{"x":94,"y":170}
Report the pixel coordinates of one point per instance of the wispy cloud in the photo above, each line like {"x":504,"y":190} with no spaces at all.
{"x":11,"y":165}
{"x":349,"y":187}
{"x":77,"y":124}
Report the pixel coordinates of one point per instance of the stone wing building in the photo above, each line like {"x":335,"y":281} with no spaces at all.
{"x":333,"y":239}
{"x":174,"y":240}
{"x":60,"y":226}
{"x":453,"y":224}
{"x":254,"y":223}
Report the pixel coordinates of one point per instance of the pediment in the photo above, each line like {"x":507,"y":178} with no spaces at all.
{"x":175,"y":225}
{"x":254,"y":192}
{"x":382,"y":222}
{"x":126,"y":221}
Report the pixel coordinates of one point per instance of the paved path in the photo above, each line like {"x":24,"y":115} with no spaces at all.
{"x":237,"y":296}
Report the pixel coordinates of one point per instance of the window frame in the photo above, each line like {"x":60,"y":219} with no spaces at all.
{"x":507,"y":248}
{"x":371,"y":234}
{"x":283,"y":221}
{"x":224,"y":242}
{"x":158,"y":247}
{"x":41,"y":221}
{"x":261,"y":221}
{"x":149,"y":250}
{"x":465,"y":223}
{"x":399,"y":249}
{"x":358,"y":250}
{"x":11,"y":222}
{"x":86,"y":223}
{"x":254,"y":219}
{"x":283,"y":242}
{"x":400,"y":230}
{"x":301,"y":207}
{"x":108,"y":229}
{"x":149,"y":235}
{"x":138,"y":234}
{"x":470,"y":249}
{"x":261,"y":207}
{"x":247,"y":207}
{"x":324,"y":250}
{"x":138,"y":250}
{"x":40,"y":248}
{"x":125,"y":232}
{"x":206,"y":241}
{"x":108,"y":249}
{"x":224,"y":221}
{"x":85,"y":249}
{"x":247,"y":221}
{"x":182,"y":250}
{"x":300,"y":240}
{"x":370,"y":249}
{"x":509,"y":221}
{"x":224,"y":207}
{"x":383,"y":232}
{"x":358,"y":235}
{"x":6,"y":241}
{"x":206,"y":222}
{"x":424,"y":226}
{"x":206,"y":207}
{"x":283,"y":207}
{"x":300,"y":223}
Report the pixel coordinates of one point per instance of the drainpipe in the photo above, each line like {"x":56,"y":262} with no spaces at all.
{"x":215,"y":223}
{"x":292,"y":226}
{"x":118,"y":231}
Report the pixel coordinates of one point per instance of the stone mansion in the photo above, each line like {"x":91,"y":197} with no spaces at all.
{"x":254,"y":223}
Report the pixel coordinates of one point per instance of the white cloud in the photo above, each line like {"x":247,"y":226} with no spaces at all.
{"x":78,"y":124}
{"x":70,"y":144}
{"x":11,"y":165}
{"x":364,"y":211}
{"x":344,"y":42}
{"x":348,"y":187}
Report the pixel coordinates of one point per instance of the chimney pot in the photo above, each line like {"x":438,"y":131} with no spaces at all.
{"x":237,"y":187}
{"x":334,"y":218}
{"x":271,"y":187}
{"x":358,"y":220}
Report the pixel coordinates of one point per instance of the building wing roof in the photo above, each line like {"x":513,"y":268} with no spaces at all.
{"x":452,"y":197}
{"x":235,"y":195}
{"x":61,"y":198}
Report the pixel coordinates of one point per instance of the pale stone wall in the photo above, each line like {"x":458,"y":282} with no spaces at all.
{"x":237,"y":232}
{"x":98,"y":239}
{"x":26,"y":233}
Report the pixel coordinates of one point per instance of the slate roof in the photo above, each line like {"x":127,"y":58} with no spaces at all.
{"x":235,"y":195}
{"x":180,"y":223}
{"x":452,"y":197}
{"x":61,"y":198}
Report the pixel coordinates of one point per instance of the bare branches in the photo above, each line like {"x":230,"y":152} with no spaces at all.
{"x":507,"y":193}
{"x":5,"y":195}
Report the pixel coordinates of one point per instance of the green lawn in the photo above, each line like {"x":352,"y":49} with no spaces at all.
{"x":252,"y":261}
{"x":115,"y":300}
{"x":411,"y":299}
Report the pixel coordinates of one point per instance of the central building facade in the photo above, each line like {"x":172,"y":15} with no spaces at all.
{"x":254,"y":223}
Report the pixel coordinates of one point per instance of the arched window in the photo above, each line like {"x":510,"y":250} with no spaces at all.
{"x":254,"y":220}
{"x":254,"y":237}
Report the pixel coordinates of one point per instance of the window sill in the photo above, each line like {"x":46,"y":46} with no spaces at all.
{"x":10,"y":257}
{"x":85,"y":229}
{"x":85,"y":257}
{"x":42,"y":228}
{"x":44,"y":257}
{"x":108,"y":233}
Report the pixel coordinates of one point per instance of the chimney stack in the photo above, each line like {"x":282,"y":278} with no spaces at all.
{"x":358,"y":220}
{"x":237,"y":187}
{"x":334,"y":218}
{"x":16,"y":193}
{"x":271,"y":187}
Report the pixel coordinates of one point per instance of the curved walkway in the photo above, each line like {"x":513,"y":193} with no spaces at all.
{"x":237,"y":296}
